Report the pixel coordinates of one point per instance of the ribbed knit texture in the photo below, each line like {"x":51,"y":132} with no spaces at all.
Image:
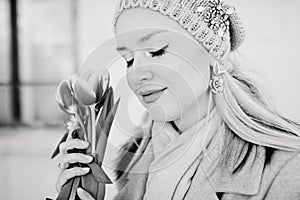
{"x":206,"y":20}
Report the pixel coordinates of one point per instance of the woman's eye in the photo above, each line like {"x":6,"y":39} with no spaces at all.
{"x":129,"y":63}
{"x":159,"y":52}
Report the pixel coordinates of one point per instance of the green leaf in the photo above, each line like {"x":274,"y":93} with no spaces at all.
{"x":74,"y":188}
{"x":98,"y":174}
{"x":104,"y":109}
{"x":65,"y":191}
{"x":101,"y":100}
{"x":98,"y":131}
{"x":101,"y":145}
{"x":108,"y":80}
{"x":89,"y":134}
{"x":89,"y":184}
{"x":104,"y":133}
{"x":111,"y":100}
{"x":101,"y":191}
{"x":56,"y":151}
{"x":110,"y":117}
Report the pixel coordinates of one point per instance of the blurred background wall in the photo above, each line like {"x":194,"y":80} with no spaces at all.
{"x":46,"y":40}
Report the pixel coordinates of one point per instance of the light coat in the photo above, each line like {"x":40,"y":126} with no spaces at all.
{"x":279,"y":179}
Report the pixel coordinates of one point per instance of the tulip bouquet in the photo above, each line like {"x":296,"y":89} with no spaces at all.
{"x":90,"y":108}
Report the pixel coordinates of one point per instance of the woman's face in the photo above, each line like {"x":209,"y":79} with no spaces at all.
{"x":166,"y":68}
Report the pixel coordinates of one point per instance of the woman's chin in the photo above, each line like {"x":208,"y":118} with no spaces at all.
{"x":162,"y":110}
{"x":159,"y":113}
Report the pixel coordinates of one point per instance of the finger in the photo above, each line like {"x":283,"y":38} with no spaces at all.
{"x":71,"y":144}
{"x":66,"y":174}
{"x":62,"y":166}
{"x":84,"y":195}
{"x":74,"y":158}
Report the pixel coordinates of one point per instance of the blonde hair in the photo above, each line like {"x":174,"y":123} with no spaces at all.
{"x":247,"y":114}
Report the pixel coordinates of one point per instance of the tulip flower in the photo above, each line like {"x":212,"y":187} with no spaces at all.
{"x":91,"y":110}
{"x":84,"y":92}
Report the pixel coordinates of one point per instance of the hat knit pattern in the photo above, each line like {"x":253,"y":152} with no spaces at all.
{"x":213,"y":23}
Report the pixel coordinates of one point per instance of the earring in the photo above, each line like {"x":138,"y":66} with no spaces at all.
{"x":216,"y":82}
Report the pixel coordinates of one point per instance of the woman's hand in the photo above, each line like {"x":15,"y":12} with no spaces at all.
{"x":84,"y":195}
{"x":65,"y":159}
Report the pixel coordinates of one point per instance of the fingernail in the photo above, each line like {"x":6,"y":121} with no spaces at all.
{"x":79,"y":190}
{"x":86,"y":169}
{"x":85,"y":144}
{"x":90,"y":158}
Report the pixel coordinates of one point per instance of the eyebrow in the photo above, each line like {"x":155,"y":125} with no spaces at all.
{"x":144,"y":38}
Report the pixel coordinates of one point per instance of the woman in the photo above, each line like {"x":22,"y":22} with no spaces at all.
{"x":211,"y":134}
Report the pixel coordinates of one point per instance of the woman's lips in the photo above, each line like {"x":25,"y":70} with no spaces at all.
{"x":152,"y":97}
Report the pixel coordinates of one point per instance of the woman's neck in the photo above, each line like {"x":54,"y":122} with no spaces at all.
{"x":196,"y":113}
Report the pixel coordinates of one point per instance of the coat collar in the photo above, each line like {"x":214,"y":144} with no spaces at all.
{"x":226,"y":178}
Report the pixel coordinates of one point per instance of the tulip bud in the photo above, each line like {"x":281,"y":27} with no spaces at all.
{"x":84,"y":92}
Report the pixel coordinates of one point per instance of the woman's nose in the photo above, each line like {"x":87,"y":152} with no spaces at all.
{"x":140,"y":70}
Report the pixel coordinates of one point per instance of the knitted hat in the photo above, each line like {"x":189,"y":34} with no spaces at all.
{"x":212,"y":22}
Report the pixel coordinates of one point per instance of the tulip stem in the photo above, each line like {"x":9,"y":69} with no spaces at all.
{"x":81,"y":124}
{"x":93,"y":139}
{"x":98,"y":116}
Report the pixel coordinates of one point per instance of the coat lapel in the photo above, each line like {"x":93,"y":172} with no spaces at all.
{"x":201,"y":188}
{"x":245,"y":181}
{"x":224,"y":178}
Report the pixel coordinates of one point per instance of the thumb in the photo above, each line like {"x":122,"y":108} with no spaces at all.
{"x":84,"y":195}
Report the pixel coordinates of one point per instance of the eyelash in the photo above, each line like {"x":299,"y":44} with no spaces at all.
{"x":156,"y":54}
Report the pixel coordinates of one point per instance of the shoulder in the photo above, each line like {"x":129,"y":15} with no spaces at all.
{"x":284,"y":163}
{"x":278,"y":179}
{"x":286,"y":171}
